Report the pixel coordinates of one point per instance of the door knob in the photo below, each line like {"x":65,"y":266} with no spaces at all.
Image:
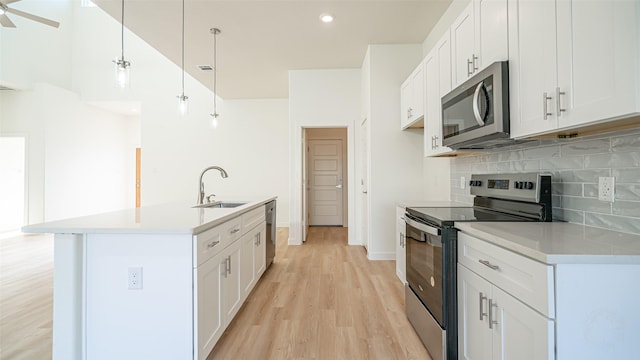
{"x":339,"y":186}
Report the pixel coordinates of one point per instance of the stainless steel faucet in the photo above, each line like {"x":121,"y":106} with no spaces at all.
{"x":223,"y":173}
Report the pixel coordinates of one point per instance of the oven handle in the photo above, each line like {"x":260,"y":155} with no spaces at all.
{"x":422,"y":227}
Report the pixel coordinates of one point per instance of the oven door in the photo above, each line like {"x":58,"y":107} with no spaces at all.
{"x":424,"y":265}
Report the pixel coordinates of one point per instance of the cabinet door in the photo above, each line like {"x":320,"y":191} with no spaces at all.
{"x":401,"y":255}
{"x":417,"y":83}
{"x":405,"y":103}
{"x":474,"y":335}
{"x":260,"y":254}
{"x":247,"y":262}
{"x":491,"y":31}
{"x":520,"y":332}
{"x":462,"y":46}
{"x":231,"y":295}
{"x":432,"y":124}
{"x":209,"y":320}
{"x":597,"y":60}
{"x":532,"y":66}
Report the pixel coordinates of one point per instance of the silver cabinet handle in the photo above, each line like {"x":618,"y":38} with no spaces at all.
{"x":365,"y":192}
{"x":435,"y":142}
{"x":234,"y":231}
{"x":489,"y":265}
{"x":482,"y":299}
{"x":229,"y":267}
{"x":212,"y":244}
{"x":226,"y":268}
{"x":476,"y":109}
{"x":545,"y":106}
{"x":491,"y":321}
{"x":469,"y":71}
{"x":559,"y":105}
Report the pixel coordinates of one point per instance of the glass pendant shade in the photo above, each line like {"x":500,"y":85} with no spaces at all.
{"x":183,"y":104}
{"x":123,"y":73}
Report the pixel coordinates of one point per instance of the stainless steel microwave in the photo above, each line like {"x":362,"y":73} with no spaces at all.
{"x":475,"y":115}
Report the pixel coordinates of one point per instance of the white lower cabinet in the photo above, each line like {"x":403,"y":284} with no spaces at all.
{"x":401,"y":255}
{"x":495,"y":325}
{"x":231,"y":258}
{"x":253,"y":258}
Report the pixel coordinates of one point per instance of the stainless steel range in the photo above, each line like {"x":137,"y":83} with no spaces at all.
{"x":431,"y":236}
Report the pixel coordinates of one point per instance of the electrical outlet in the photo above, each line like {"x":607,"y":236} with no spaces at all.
{"x":606,"y":188}
{"x":135,"y":278}
{"x":463,"y":182}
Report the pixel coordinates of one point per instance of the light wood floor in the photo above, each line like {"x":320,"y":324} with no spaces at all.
{"x":26,"y":292}
{"x":322,"y":300}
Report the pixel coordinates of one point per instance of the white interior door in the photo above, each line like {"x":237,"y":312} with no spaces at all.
{"x":325,"y":182}
{"x":364,"y":182}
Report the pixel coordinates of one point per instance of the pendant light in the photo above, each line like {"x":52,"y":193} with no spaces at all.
{"x":214,"y":115}
{"x":123,"y":66}
{"x":183,"y":105}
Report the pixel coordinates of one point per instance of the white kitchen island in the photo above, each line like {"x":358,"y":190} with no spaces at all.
{"x":158,"y":282}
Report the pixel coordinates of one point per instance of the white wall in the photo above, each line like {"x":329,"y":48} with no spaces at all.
{"x":75,"y":153}
{"x":395,"y":168}
{"x":321,"y":98}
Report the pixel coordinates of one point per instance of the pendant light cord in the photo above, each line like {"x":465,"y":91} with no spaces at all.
{"x":215,"y":71}
{"x":182,"y":47}
{"x":122,"y":31}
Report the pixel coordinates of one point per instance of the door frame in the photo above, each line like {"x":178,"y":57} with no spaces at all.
{"x":297,"y":222}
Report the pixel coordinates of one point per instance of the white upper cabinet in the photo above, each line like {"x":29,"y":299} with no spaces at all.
{"x":478,"y":38}
{"x":437,"y":65}
{"x":464,"y":60}
{"x":571,"y":63}
{"x":412,"y":99}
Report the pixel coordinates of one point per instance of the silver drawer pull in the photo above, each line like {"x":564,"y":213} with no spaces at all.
{"x":488,"y":264}
{"x":212,"y":244}
{"x":235,"y":231}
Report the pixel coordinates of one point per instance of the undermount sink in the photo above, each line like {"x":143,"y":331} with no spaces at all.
{"x":220,"y":204}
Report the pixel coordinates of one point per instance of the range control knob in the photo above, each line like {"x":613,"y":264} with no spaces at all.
{"x":475,"y":183}
{"x":517,"y":184}
{"x":528,"y":185}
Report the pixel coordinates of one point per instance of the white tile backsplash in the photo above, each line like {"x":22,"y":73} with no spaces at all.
{"x":575,"y":165}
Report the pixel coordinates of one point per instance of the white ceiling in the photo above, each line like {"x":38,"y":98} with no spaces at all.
{"x":261,"y":40}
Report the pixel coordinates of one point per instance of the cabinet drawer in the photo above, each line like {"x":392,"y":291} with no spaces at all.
{"x":232,"y":230}
{"x":208,"y":244}
{"x":252,"y":218}
{"x":527,"y":280}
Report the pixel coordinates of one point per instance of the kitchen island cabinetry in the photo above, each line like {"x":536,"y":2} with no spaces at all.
{"x":564,"y":71}
{"x":159,"y":282}
{"x":546,"y":291}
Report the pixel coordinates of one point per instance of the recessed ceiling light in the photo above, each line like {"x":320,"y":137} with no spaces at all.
{"x":327,"y":18}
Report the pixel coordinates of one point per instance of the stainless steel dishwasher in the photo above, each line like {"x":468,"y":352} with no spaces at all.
{"x":270,"y":218}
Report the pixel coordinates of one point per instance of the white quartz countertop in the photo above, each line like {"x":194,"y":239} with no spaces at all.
{"x":171,"y":218}
{"x":558,"y":242}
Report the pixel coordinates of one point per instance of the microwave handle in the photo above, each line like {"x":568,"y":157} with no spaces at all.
{"x":476,"y":109}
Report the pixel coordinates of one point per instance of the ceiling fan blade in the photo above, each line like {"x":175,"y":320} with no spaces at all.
{"x":4,"y":20}
{"x":39,"y":19}
{"x":7,"y":2}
